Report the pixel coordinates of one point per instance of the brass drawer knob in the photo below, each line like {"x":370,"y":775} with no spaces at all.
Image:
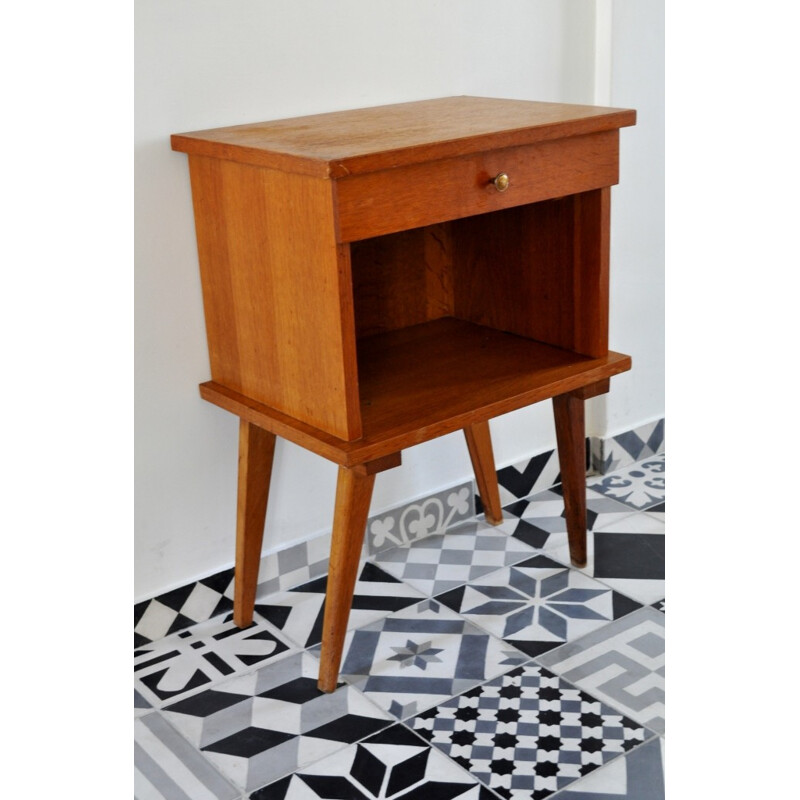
{"x":500,"y":181}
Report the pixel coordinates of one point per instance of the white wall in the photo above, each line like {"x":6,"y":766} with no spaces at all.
{"x":210,"y":63}
{"x":637,"y":230}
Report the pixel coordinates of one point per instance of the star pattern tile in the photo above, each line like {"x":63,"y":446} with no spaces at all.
{"x":538,"y":604}
{"x":417,"y":657}
{"x":528,"y":733}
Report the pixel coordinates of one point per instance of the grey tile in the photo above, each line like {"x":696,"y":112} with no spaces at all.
{"x":167,"y":767}
{"x":621,"y":663}
{"x":413,"y":521}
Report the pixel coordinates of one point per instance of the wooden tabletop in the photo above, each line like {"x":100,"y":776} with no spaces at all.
{"x":345,"y":143}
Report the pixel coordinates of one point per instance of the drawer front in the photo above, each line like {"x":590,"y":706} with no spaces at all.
{"x":422,"y":194}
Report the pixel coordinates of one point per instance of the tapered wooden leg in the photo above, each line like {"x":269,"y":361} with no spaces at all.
{"x":570,"y":435}
{"x":479,"y":442}
{"x":256,"y":451}
{"x":353,"y":495}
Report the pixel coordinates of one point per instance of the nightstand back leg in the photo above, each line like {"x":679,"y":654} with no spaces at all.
{"x":479,"y":443}
{"x":568,"y":410}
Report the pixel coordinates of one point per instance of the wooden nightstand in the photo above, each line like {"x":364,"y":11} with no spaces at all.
{"x":373,"y":279}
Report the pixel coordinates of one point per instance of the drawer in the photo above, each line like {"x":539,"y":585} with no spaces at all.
{"x":411,"y":196}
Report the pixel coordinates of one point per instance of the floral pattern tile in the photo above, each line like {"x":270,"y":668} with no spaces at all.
{"x":418,"y":657}
{"x":258,"y":727}
{"x":528,"y":733}
{"x":466,"y":552}
{"x":186,"y":662}
{"x":537,"y":604}
{"x":639,"y":486}
{"x":391,"y":765}
{"x":431,"y":515}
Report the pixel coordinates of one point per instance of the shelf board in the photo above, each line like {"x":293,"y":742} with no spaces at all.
{"x":436,"y":377}
{"x":427,"y":380}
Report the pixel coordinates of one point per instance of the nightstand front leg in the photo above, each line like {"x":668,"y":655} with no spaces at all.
{"x":256,"y":451}
{"x":353,"y":495}
{"x":570,"y":436}
{"x":479,"y":443}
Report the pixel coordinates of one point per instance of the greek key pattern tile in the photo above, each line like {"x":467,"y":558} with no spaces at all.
{"x":528,"y":733}
{"x":621,"y":663}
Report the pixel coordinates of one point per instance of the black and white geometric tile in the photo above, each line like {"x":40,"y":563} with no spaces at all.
{"x":258,"y":727}
{"x":438,"y":563}
{"x":537,"y":604}
{"x":539,"y":520}
{"x":528,"y":733}
{"x":391,"y":765}
{"x":186,"y":662}
{"x":421,"y":655}
{"x":639,"y":486}
{"x":619,"y":451}
{"x":621,"y":664}
{"x":528,"y":477}
{"x":625,"y":552}
{"x":638,"y":775}
{"x":181,"y":608}
{"x":298,"y":613}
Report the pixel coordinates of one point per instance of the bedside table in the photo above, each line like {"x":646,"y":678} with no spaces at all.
{"x":376,"y":278}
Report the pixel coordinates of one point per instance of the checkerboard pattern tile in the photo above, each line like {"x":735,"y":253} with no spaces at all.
{"x":478,"y":663}
{"x":438,"y":563}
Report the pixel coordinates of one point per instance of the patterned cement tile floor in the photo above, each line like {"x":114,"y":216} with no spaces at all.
{"x":478,"y":665}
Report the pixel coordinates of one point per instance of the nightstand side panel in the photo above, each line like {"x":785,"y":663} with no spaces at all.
{"x":277,"y":291}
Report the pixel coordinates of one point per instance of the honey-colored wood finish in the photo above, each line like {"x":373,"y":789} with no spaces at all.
{"x":342,"y":143}
{"x":368,"y":288}
{"x":479,"y":444}
{"x":377,"y":203}
{"x":256,"y":451}
{"x":409,"y":382}
{"x":402,"y":279}
{"x":262,"y":287}
{"x":353,"y":494}
{"x":570,"y":438}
